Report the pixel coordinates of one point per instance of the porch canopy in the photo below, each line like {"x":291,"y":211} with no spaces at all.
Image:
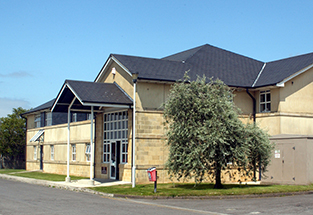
{"x":82,"y":96}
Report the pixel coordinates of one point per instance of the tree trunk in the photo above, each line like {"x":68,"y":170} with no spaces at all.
{"x":254,"y":170}
{"x":218,"y":182}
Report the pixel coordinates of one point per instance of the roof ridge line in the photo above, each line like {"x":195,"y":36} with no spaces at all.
{"x":196,"y":52}
{"x":257,"y":78}
{"x":287,"y":58}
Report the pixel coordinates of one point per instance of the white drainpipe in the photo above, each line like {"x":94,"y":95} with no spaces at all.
{"x":135,"y":76}
{"x":91,"y":146}
{"x":68,"y":179}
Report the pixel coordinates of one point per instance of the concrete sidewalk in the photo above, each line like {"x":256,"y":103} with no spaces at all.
{"x":75,"y":185}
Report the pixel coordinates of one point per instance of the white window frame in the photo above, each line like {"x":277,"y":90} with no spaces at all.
{"x":106,"y":152}
{"x":73,"y":152}
{"x":124,"y":151}
{"x":37,"y":121}
{"x":52,"y":152}
{"x":35,"y":152}
{"x":115,"y":129}
{"x":88,"y":152}
{"x":265,"y":101}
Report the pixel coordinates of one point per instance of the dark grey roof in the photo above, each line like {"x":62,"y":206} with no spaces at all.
{"x":184,"y":55}
{"x":152,"y":68}
{"x":90,"y":94}
{"x":234,"y":69}
{"x":276,"y":71}
{"x":45,"y":106}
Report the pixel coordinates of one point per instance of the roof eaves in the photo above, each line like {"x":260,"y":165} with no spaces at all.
{"x":103,"y":68}
{"x":282,"y":83}
{"x":121,"y":65}
{"x":73,"y":91}
{"x":66,"y":84}
{"x":32,"y":111}
{"x":107,"y":104}
{"x":58,"y":97}
{"x":157,"y":80}
{"x":106,"y":65}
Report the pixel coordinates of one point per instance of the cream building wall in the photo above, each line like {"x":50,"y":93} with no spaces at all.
{"x":292,"y":109}
{"x":56,"y":136}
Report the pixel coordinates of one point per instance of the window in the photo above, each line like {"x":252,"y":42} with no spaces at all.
{"x":265,"y":101}
{"x":106,"y":152}
{"x":73,"y":152}
{"x":74,"y":117}
{"x":88,"y":152}
{"x":52,"y":152}
{"x":48,"y":120}
{"x":124,"y":150}
{"x":115,"y":129}
{"x":35,"y":152}
{"x":37,"y":121}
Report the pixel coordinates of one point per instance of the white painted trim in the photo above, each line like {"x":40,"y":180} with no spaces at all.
{"x":60,"y":93}
{"x":91,"y":145}
{"x":118,"y":86}
{"x":37,"y":135}
{"x":105,"y":105}
{"x":282,"y":83}
{"x":121,"y":65}
{"x":85,"y":110}
{"x":85,"y":103}
{"x":133,"y":172}
{"x":57,"y":99}
{"x":257,"y":78}
{"x":112,"y":58}
{"x":69,"y":87}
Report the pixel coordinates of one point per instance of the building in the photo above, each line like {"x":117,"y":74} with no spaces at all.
{"x":277,"y":95}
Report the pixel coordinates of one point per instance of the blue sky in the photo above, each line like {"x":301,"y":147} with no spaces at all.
{"x":42,"y":43}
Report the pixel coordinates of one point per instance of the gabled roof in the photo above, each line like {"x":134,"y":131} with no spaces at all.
{"x":234,"y":69}
{"x":89,"y":94}
{"x":276,"y":71}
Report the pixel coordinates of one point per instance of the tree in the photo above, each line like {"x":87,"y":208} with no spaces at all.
{"x":204,"y":132}
{"x":12,"y":136}
{"x":260,"y":149}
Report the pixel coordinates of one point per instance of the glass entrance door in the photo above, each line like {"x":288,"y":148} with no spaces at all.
{"x":113,"y":161}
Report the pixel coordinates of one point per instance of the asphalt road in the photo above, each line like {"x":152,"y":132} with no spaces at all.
{"x":22,"y":198}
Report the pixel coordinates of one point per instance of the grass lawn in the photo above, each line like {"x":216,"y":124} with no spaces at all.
{"x":170,"y":189}
{"x":39,"y":175}
{"x":201,"y":190}
{"x":8,"y":171}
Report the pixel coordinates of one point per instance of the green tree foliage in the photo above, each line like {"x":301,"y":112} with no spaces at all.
{"x":260,"y":149}
{"x":204,"y":132}
{"x":12,"y":136}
